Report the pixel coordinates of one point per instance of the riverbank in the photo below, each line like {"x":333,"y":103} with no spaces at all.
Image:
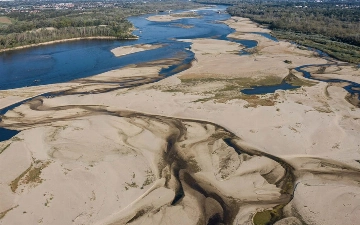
{"x":188,"y":148}
{"x":66,"y":40}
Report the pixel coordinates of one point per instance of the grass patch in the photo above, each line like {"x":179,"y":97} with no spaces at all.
{"x":15,"y":183}
{"x":222,"y":90}
{"x":295,"y":81}
{"x":30,"y":175}
{"x":5,"y":20}
{"x":255,"y":100}
{"x":229,"y":89}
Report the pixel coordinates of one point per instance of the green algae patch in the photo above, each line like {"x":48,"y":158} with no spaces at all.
{"x":268,"y":217}
{"x":262,"y":218}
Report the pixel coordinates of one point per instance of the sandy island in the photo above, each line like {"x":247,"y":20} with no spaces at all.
{"x":188,"y":149}
{"x":125,"y":50}
{"x":172,"y":17}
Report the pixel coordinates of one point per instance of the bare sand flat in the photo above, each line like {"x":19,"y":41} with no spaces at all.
{"x":121,"y":51}
{"x":172,"y":17}
{"x":187,"y":149}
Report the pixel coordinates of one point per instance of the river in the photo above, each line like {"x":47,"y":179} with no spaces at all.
{"x":67,"y":61}
{"x":62,"y":62}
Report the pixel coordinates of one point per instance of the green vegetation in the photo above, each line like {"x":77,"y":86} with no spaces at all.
{"x":15,"y":183}
{"x":4,"y":20}
{"x":225,"y":89}
{"x":328,"y":27}
{"x":49,"y":25}
{"x":268,"y":216}
{"x":336,"y":49}
{"x":30,"y":175}
{"x":228,"y":89}
{"x":295,"y":81}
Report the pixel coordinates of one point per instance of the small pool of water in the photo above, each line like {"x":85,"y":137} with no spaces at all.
{"x":259,"y":90}
{"x":6,"y":134}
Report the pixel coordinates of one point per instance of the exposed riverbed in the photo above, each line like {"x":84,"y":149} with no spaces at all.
{"x":171,"y":138}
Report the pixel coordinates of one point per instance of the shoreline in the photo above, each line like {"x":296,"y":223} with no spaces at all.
{"x":67,"y":40}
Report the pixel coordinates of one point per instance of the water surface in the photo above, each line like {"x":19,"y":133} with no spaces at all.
{"x":6,"y":134}
{"x":259,"y":90}
{"x":67,"y":61}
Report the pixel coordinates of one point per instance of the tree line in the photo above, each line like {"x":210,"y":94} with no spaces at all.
{"x":50,"y":25}
{"x":326,"y":26}
{"x":332,"y":27}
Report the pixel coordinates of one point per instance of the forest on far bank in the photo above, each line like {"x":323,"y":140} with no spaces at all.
{"x":26,"y":28}
{"x":332,"y":27}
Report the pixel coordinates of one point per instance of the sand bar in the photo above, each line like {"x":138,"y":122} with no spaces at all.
{"x":125,"y":50}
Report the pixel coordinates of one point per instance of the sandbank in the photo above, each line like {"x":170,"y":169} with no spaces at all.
{"x":125,"y":50}
{"x":172,"y":17}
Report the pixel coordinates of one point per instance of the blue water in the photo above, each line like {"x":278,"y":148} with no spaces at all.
{"x":78,"y":59}
{"x":67,"y":61}
{"x":349,"y":88}
{"x":6,"y":134}
{"x":259,"y":90}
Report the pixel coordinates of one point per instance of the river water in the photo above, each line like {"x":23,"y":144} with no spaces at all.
{"x":67,"y":61}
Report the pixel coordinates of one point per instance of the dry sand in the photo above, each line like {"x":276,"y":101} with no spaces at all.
{"x":172,"y":17}
{"x":152,"y":155}
{"x":125,"y":50}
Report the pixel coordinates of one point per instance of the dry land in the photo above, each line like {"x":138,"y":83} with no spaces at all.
{"x":125,"y":50}
{"x":172,"y":17}
{"x":188,"y":149}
